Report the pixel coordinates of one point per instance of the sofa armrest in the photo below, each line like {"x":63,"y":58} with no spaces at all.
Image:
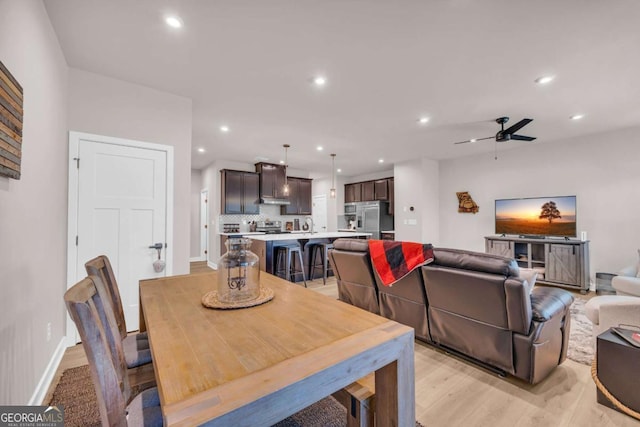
{"x":547,"y":303}
{"x":629,"y":271}
{"x":626,"y":285}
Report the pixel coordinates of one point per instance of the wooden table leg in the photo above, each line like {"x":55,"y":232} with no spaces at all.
{"x":395,"y":389}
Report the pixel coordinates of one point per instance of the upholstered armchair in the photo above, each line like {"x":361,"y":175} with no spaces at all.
{"x":620,"y":309}
{"x":627,"y":282}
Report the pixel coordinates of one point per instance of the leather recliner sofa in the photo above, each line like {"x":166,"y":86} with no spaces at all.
{"x":474,"y":304}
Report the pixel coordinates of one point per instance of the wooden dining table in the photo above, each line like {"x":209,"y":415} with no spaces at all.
{"x":256,"y":366}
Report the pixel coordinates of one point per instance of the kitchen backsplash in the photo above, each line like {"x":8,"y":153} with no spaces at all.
{"x":267,"y":213}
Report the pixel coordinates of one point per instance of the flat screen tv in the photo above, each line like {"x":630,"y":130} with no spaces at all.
{"x":537,"y":216}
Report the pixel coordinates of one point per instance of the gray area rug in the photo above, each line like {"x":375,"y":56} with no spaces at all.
{"x":580,"y":345}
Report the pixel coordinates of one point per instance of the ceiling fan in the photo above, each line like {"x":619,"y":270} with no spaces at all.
{"x":507,"y":134}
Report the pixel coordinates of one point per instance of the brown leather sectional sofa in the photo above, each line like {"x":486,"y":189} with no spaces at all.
{"x":469,"y":303}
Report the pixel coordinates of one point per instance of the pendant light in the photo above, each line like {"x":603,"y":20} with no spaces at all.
{"x":285,"y":189}
{"x":332,"y":192}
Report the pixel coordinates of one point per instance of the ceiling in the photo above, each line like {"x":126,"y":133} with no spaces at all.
{"x":462,"y":63}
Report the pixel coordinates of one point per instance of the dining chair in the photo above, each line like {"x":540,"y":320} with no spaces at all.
{"x":88,"y":307}
{"x":136,"y":346}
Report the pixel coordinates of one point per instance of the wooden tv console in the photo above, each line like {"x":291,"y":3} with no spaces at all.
{"x":563,"y":263}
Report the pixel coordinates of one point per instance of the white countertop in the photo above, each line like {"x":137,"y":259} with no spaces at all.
{"x":242,"y":233}
{"x":346,"y":229}
{"x":388,"y":231}
{"x":296,"y":236}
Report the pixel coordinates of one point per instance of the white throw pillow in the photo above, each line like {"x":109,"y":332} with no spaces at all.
{"x":529,"y":276}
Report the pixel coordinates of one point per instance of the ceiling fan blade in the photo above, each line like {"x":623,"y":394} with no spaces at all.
{"x":515,"y":128}
{"x":474,"y":140}
{"x":522,"y":138}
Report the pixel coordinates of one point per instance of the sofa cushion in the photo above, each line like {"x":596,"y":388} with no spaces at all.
{"x":359,"y":245}
{"x":475,"y":261}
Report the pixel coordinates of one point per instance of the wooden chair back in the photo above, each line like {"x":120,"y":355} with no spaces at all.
{"x":103,"y":347}
{"x":101,"y":267}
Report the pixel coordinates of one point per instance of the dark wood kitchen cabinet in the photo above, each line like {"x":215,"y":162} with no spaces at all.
{"x":272,"y":178}
{"x":381,"y":189}
{"x":368,"y":191}
{"x":353,"y":192}
{"x":391,"y":196}
{"x":240,"y":192}
{"x":299,"y":197}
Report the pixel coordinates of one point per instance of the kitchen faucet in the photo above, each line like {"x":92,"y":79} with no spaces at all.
{"x":310,"y":218}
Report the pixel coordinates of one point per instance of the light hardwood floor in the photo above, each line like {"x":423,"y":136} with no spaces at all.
{"x":452,"y":392}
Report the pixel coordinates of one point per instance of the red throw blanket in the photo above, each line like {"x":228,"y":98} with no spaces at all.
{"x":394,"y":260}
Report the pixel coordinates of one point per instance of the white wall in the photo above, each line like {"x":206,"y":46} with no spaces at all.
{"x":387,"y":173}
{"x":603,"y":171}
{"x":416,"y":186}
{"x":194,"y":228}
{"x":111,"y":107}
{"x":33,"y":210}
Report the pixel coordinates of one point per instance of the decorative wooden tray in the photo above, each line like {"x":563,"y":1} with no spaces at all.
{"x":210,"y":300}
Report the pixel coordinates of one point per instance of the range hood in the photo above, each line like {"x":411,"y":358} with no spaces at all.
{"x":274,"y":201}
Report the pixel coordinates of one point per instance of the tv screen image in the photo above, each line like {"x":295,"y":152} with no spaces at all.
{"x":540,"y":216}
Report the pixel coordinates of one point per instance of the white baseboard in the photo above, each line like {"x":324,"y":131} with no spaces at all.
{"x":212,"y":265}
{"x":45,"y":381}
{"x":196,"y":259}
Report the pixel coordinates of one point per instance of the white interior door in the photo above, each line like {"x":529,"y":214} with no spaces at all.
{"x":204,"y":227}
{"x":122,"y":203}
{"x":319,"y":212}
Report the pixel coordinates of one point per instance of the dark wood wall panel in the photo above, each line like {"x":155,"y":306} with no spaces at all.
{"x":11,"y":113}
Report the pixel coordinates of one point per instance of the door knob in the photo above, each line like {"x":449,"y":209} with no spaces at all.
{"x":159,"y":264}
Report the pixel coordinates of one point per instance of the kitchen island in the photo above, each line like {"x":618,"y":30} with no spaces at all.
{"x":264,"y":245}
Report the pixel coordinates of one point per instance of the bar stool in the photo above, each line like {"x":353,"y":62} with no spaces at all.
{"x":286,"y":266}
{"x":323,"y":250}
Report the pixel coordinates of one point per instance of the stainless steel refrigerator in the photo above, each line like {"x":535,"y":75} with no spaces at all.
{"x":373,"y":217}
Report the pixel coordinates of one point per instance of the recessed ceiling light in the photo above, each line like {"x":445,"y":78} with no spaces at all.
{"x":339,"y":170}
{"x":224,"y":128}
{"x":282,"y":162}
{"x":380,"y":160}
{"x":544,"y":80}
{"x":576,"y":116}
{"x":319,"y":148}
{"x":319,"y":81}
{"x":174,"y":21}
{"x":201,"y":150}
{"x":472,"y":140}
{"x":423,"y":120}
